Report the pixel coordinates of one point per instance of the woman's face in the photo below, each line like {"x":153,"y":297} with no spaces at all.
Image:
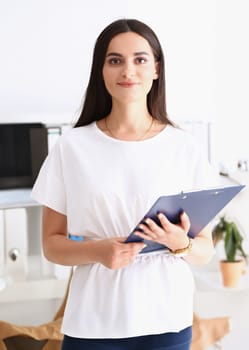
{"x":129,"y":68}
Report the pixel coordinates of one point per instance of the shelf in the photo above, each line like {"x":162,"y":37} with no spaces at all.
{"x":39,"y":283}
{"x":34,"y":290}
{"x":35,"y":283}
{"x":16,"y":198}
{"x":207,"y":281}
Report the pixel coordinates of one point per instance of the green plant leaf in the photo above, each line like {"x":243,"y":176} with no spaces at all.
{"x":230,"y":246}
{"x":233,"y":239}
{"x":239,"y":240}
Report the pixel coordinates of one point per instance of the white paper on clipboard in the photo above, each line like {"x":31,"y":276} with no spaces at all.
{"x":201,"y":206}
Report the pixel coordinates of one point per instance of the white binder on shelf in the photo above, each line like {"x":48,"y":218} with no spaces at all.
{"x":16,"y":243}
{"x":2,"y":255}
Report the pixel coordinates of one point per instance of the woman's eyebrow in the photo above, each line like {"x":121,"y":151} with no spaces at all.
{"x":141,"y":53}
{"x":114,"y":54}
{"x":119,"y":55}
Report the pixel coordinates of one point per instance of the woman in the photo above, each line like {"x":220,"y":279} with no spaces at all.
{"x":98,"y":182}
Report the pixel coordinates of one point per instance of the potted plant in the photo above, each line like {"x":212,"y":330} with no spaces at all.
{"x":235,"y":257}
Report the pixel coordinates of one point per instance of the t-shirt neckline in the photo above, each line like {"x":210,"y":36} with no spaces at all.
{"x":113,"y":139}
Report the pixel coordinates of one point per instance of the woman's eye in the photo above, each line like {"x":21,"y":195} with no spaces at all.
{"x":141,"y":60}
{"x":117,"y":61}
{"x":114,"y":61}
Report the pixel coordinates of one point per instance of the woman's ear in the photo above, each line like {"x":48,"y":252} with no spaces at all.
{"x":157,"y":68}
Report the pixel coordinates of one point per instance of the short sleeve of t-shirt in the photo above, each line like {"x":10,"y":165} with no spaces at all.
{"x":49,"y":188}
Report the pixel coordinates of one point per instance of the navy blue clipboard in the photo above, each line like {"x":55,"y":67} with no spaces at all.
{"x":201,"y":206}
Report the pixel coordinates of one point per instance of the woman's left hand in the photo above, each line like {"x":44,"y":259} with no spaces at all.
{"x":174,"y":236}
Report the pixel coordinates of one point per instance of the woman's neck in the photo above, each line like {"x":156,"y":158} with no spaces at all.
{"x":131,"y":123}
{"x":130,"y":117}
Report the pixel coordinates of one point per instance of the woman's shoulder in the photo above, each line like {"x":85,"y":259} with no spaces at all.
{"x":181,"y":135}
{"x":73,"y":133}
{"x":72,"y":137}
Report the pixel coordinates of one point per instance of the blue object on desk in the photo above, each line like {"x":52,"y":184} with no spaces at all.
{"x":75,"y":237}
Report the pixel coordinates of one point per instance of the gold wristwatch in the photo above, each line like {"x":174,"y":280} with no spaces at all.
{"x":183,"y":251}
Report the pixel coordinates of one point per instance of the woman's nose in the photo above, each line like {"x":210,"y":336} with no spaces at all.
{"x":129,"y":70}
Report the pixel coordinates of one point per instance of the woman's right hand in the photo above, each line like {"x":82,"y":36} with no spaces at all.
{"x":114,"y":253}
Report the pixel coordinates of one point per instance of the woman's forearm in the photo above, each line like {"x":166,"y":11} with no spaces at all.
{"x":113,"y":253}
{"x":60,"y":250}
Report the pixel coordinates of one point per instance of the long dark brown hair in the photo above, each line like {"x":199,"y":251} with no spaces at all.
{"x":98,"y":102}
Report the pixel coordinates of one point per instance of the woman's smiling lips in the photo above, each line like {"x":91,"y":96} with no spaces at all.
{"x":127,"y":84}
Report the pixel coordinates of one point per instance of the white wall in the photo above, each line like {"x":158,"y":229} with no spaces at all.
{"x":232,"y":76}
{"x":46,"y":48}
{"x":186,"y":30}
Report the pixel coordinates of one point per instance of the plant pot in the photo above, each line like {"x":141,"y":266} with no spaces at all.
{"x":231,"y":272}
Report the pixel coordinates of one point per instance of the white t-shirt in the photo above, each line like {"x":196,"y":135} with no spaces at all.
{"x":105,"y":186}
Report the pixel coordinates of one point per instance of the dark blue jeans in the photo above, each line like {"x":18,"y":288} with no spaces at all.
{"x":166,"y":341}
